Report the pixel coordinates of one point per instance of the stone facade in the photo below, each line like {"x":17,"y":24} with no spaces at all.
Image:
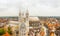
{"x":23,"y":24}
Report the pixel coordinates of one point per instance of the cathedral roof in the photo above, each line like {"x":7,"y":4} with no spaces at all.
{"x":33,"y":19}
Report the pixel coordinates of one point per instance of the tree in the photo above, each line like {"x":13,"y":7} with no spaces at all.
{"x":2,"y":31}
{"x":9,"y":30}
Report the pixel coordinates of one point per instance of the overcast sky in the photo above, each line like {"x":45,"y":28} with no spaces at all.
{"x":35,"y":7}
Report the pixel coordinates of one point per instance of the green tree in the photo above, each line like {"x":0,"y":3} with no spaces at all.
{"x":9,"y":30}
{"x":2,"y":31}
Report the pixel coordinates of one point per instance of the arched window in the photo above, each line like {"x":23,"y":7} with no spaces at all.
{"x":23,"y":27}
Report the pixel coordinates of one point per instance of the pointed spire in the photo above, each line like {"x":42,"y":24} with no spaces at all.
{"x":20,"y":13}
{"x":27,"y":12}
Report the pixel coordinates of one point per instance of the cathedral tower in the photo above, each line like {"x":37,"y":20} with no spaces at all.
{"x":23,"y":24}
{"x":27,"y":20}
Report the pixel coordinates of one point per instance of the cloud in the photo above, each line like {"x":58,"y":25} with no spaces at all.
{"x":36,"y":7}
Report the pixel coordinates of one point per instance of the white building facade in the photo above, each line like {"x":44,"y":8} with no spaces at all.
{"x":23,"y":23}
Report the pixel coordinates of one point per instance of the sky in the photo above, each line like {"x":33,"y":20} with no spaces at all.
{"x":35,"y":7}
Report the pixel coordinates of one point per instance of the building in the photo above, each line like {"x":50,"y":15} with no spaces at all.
{"x":23,"y":23}
{"x":34,"y":26}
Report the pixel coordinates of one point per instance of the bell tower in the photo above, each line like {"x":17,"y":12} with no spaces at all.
{"x":27,"y":21}
{"x":23,"y":24}
{"x":27,"y":17}
{"x":20,"y":16}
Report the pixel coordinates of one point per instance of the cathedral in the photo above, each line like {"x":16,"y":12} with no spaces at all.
{"x":23,"y":23}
